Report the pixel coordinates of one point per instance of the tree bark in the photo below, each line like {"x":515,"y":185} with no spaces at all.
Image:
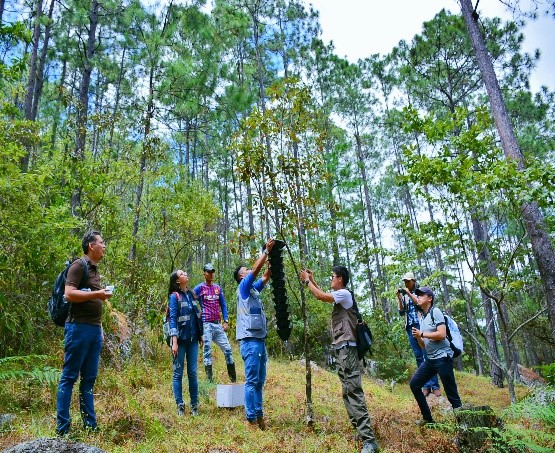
{"x":542,"y":246}
{"x":83,"y":102}
{"x":383,"y":300}
{"x":484,"y":264}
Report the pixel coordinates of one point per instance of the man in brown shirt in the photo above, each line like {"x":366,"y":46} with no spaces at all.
{"x":83,"y":335}
{"x":344,"y":320}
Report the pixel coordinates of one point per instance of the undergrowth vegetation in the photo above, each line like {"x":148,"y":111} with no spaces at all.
{"x":137,"y":412}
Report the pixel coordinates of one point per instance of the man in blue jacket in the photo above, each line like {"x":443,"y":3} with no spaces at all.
{"x":252,"y":332}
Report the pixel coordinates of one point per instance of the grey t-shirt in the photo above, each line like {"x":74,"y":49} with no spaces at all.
{"x":435,"y":349}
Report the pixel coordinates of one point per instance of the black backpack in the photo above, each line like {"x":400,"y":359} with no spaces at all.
{"x":58,"y":306}
{"x":363,"y":332}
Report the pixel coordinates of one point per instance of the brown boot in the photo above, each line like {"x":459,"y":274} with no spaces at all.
{"x":261,"y":423}
{"x":251,"y":426}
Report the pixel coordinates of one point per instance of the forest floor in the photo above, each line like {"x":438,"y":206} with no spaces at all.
{"x":137,"y":413}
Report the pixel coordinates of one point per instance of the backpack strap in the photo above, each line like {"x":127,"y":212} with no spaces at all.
{"x":85,"y":276}
{"x":355,"y":307}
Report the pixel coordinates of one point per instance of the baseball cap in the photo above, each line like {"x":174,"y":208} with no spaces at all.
{"x":208,"y":267}
{"x":409,"y":276}
{"x":424,"y":290}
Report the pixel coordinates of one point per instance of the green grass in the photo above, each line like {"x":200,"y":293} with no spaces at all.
{"x":137,"y":413}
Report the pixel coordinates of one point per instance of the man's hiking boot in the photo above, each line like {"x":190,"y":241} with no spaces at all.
{"x":208,"y":369}
{"x":261,"y":423}
{"x":231,"y":372}
{"x":251,"y":426}
{"x":181,"y":409}
{"x":370,"y":446}
{"x":194,"y":411}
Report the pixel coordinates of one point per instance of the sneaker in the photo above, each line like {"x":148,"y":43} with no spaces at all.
{"x":422,"y":422}
{"x":194,"y":411}
{"x":370,"y":447}
{"x":426,"y":392}
{"x":181,"y":409}
{"x":436,"y":392}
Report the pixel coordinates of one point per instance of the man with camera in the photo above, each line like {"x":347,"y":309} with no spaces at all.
{"x":408,"y":308}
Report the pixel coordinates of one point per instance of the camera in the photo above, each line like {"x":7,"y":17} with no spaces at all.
{"x":402,"y":291}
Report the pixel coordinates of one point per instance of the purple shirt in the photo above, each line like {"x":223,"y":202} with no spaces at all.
{"x":212,"y":300}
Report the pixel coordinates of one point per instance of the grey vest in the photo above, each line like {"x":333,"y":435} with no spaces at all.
{"x":251,"y":319}
{"x":343,"y":324}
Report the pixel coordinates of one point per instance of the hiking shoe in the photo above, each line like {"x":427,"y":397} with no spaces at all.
{"x":194,"y":411}
{"x":436,"y":392}
{"x":261,"y":423}
{"x":422,"y":422}
{"x":370,"y":447}
{"x":426,"y":392}
{"x":251,"y":425}
{"x":181,"y":409}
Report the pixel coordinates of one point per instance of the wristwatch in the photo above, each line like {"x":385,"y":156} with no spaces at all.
{"x":306,"y":282}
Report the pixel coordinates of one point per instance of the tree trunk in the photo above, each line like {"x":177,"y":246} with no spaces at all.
{"x":484,"y":264}
{"x":117,"y":98}
{"x":142,"y":165}
{"x":533,"y":217}
{"x":57,"y":116}
{"x":83,"y":102}
{"x":32,"y":79}
{"x":33,"y":62}
{"x":42,"y":63}
{"x":362,"y":167}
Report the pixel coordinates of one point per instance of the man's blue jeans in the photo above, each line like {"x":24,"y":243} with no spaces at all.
{"x":253,"y":352}
{"x":214,"y":332}
{"x":190,"y":349}
{"x":420,"y":355}
{"x":82,"y":345}
{"x":443,"y":367}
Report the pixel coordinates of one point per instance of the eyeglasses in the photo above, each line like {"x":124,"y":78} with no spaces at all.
{"x":210,"y":272}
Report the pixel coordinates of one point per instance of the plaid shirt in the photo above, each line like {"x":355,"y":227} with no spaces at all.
{"x":410,"y":313}
{"x":212,"y":300}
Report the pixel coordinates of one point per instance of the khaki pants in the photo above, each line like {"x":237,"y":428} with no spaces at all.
{"x":350,"y":375}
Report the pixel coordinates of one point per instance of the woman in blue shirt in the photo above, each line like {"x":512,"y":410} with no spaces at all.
{"x":186,"y":334}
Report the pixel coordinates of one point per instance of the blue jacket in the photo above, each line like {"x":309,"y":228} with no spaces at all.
{"x":251,"y":318}
{"x":185,"y":316}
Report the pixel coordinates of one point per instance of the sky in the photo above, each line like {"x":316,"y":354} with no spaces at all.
{"x":360,"y":28}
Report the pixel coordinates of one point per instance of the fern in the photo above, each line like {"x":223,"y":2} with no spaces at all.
{"x":17,"y":368}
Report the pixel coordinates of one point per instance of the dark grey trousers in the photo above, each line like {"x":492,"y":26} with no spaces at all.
{"x":350,"y":375}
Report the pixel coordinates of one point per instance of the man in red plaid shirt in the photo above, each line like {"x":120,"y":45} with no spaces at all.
{"x":214,"y":306}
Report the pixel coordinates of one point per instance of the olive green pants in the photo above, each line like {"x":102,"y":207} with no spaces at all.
{"x":350,"y":375}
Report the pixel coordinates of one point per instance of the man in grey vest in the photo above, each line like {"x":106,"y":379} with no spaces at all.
{"x":343,"y":321}
{"x":252,"y":332}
